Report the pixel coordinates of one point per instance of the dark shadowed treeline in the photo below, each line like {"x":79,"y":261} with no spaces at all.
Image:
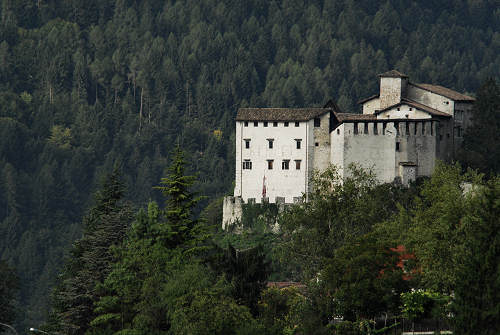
{"x":87,"y":85}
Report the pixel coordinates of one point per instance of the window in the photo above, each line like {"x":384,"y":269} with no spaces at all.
{"x":285,"y":124}
{"x":366,"y":128}
{"x":458,"y":115}
{"x":298,"y":142}
{"x":265,"y":123}
{"x":270,"y":164}
{"x":411,"y":109}
{"x":246,"y":123}
{"x":317,"y":122}
{"x":255,"y":124}
{"x":275,"y":124}
{"x":270,"y":142}
{"x":375,"y":128}
{"x":397,"y":146}
{"x":338,"y":131}
{"x":316,"y":144}
{"x":398,"y":109}
{"x":297,"y":164}
{"x":247,"y":164}
{"x":285,"y":165}
{"x":247,"y":143}
{"x":297,"y":123}
{"x":355,"y":128}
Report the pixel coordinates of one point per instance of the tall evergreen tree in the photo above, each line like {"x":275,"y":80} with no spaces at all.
{"x":90,"y":259}
{"x":481,"y":141}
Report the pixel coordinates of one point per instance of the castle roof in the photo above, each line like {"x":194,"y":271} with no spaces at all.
{"x":393,"y":74}
{"x":404,"y":101}
{"x":346,"y":117}
{"x":446,"y":92}
{"x":279,"y":114}
{"x":362,"y":101}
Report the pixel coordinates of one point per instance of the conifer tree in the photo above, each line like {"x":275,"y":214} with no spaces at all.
{"x":91,"y":258}
{"x":481,"y":145}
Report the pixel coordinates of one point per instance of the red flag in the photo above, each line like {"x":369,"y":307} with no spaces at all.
{"x":264,"y":187}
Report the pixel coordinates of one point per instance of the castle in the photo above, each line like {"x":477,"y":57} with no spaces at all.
{"x":401,"y":133}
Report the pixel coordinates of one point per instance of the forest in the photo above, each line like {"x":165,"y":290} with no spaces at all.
{"x":89,"y":88}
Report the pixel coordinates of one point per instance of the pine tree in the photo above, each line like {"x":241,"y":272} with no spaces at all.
{"x":90,"y":258}
{"x":481,"y":145}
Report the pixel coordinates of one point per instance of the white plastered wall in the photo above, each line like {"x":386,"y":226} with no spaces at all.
{"x":368,"y":150}
{"x":404,"y":112}
{"x":279,"y":183}
{"x":431,"y":99}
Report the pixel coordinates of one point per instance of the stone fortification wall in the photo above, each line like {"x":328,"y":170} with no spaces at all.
{"x":232,"y":211}
{"x":417,"y":144}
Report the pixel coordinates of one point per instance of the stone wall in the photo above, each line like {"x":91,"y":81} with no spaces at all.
{"x":232,"y":211}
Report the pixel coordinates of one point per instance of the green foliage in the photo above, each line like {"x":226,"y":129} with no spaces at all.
{"x":476,"y":305}
{"x":156,"y":266}
{"x":9,"y":284}
{"x":421,"y":304}
{"x":247,"y":271}
{"x":91,"y":258}
{"x":364,"y":279}
{"x":434,"y":229}
{"x":337,"y":212}
{"x":283,"y":310}
{"x":481,"y":148}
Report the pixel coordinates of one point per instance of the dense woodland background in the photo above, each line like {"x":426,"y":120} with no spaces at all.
{"x":89,"y":85}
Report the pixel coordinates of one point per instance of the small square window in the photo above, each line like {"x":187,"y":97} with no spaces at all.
{"x":297,"y":123}
{"x":255,"y":123}
{"x":317,"y":122}
{"x":316,"y":144}
{"x":246,"y":123}
{"x":270,"y":142}
{"x":285,"y":165}
{"x":411,"y":109}
{"x":275,"y":124}
{"x":247,"y":164}
{"x":270,"y":163}
{"x":285,"y":124}
{"x":297,"y":164}
{"x":247,"y":144}
{"x":398,"y":109}
{"x":265,"y":123}
{"x":298,"y":143}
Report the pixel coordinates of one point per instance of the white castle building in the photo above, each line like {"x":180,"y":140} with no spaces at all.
{"x":401,"y":133}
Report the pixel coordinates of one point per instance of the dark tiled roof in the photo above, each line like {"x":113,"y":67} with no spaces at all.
{"x":345,"y":117}
{"x":393,"y":74}
{"x":446,"y":92}
{"x":368,"y":99}
{"x":279,"y":114}
{"x":431,"y":111}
